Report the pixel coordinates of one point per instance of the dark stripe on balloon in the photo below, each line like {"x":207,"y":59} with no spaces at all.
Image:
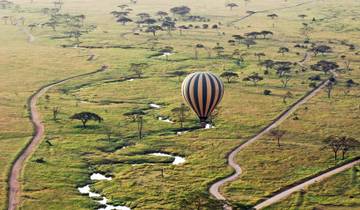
{"x":189,"y":94}
{"x":196,"y":95}
{"x":205,"y":90}
{"x":185,"y":87}
{"x":212,"y":100}
{"x":220,"y":91}
{"x":208,"y":94}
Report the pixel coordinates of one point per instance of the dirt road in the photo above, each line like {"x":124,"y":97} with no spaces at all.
{"x":14,"y":181}
{"x":302,"y":186}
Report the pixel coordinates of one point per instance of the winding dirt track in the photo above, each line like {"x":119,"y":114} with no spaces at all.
{"x":14,"y":181}
{"x":286,"y":193}
{"x":214,"y":188}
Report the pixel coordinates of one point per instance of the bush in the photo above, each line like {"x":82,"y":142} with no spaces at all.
{"x":315,"y":78}
{"x":267,"y":92}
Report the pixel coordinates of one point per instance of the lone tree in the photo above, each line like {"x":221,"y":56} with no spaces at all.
{"x":330,"y":86}
{"x":277,"y":134}
{"x":181,"y":113}
{"x":254,"y":78}
{"x":231,"y":5}
{"x":138,"y":68}
{"x":229,"y":75}
{"x":84,"y":117}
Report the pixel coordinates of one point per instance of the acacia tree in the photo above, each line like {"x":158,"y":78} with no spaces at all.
{"x":248,"y":42}
{"x":321,"y":49}
{"x":259,"y":55}
{"x":181,"y":11}
{"x":347,"y":62}
{"x":348,"y":143}
{"x":277,"y":134}
{"x":196,"y":49}
{"x":181,"y":113}
{"x":134,"y":114}
{"x":123,"y":20}
{"x":325,"y":66}
{"x":219,"y":49}
{"x":138,"y":68}
{"x":84,"y":117}
{"x":329,"y":87}
{"x":231,"y":5}
{"x":286,"y":96}
{"x":285,"y":79}
{"x":229,"y":75}
{"x":266,"y":33}
{"x":254,"y":78}
{"x":340,"y":143}
{"x":162,"y":14}
{"x":273,"y":16}
{"x":169,"y":25}
{"x":153,"y":29}
{"x":137,"y":116}
{"x":238,"y":38}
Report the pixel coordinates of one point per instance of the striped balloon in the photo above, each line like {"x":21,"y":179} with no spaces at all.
{"x":203,"y":91}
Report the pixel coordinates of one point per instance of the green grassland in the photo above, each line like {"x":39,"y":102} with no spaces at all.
{"x":338,"y":192}
{"x":137,"y":182}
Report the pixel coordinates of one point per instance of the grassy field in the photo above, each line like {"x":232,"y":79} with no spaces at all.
{"x":339,"y":192}
{"x":137,"y":181}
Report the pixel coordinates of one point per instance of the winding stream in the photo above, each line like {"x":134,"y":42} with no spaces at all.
{"x":104,"y":201}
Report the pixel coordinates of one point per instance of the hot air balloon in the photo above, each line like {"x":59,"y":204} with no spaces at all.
{"x":203,"y":91}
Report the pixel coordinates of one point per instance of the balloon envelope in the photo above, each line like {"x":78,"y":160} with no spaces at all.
{"x":203,"y":91}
